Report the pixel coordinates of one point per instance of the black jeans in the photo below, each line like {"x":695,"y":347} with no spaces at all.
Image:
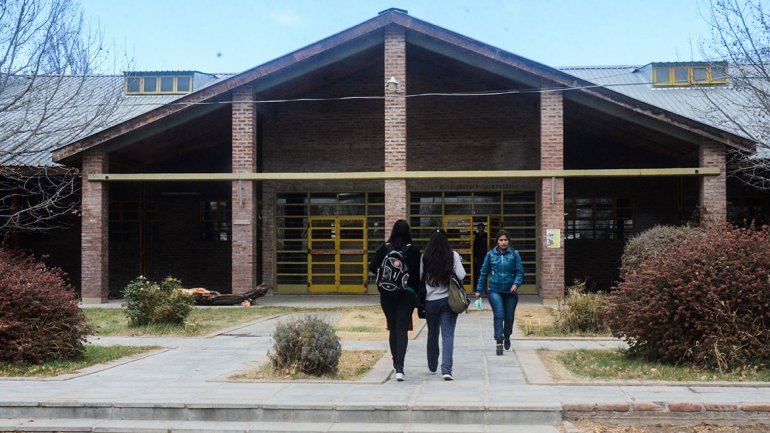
{"x":398,"y":309}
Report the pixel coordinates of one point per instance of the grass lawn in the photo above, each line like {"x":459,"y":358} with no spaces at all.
{"x":201,"y":321}
{"x":361,"y":323}
{"x":541,"y":322}
{"x":93,"y":355}
{"x":615,"y":365}
{"x":353,"y":364}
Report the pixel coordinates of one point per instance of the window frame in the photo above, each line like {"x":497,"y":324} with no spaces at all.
{"x":665,"y":75}
{"x":158,"y":79}
{"x":622,"y":211}
{"x":215,"y":221}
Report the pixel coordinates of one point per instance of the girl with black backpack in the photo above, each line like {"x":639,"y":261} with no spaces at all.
{"x":438,"y":263}
{"x":397,"y":299}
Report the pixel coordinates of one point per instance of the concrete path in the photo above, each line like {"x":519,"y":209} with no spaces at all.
{"x":186,"y":382}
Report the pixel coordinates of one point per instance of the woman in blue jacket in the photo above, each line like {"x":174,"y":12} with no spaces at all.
{"x":503,"y":266}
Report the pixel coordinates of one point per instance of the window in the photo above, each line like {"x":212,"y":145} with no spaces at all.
{"x":696,"y":74}
{"x":129,"y":218}
{"x":599,"y":218}
{"x":215,"y":220}
{"x":158,"y":84}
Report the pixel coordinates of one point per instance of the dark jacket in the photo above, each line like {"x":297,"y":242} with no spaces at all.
{"x":504,"y":270}
{"x":412,"y":261}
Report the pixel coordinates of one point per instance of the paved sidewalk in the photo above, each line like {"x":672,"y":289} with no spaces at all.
{"x":192,"y":373}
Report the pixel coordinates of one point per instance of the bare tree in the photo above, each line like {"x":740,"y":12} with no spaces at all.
{"x":741,"y":37}
{"x":49,"y":97}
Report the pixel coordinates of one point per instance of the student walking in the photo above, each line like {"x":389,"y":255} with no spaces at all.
{"x":438,"y":264}
{"x":503,"y":266}
{"x":398,"y":302}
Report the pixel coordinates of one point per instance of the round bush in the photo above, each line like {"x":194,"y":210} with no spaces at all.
{"x":39,"y":315}
{"x":308,"y":345}
{"x":651,"y":243}
{"x":704,"y":301}
{"x":148,"y":302}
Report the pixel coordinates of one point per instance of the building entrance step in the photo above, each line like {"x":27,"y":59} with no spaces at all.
{"x":91,"y":425}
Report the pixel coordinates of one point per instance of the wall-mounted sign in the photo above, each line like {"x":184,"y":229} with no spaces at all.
{"x":553,"y":238}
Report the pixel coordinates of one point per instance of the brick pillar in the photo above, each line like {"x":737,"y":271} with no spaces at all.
{"x":244,"y":223}
{"x":551,"y":275}
{"x":713,"y":189}
{"x":395,"y":125}
{"x":94,"y":231}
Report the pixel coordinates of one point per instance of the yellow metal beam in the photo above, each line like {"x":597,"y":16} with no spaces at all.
{"x":365,"y":175}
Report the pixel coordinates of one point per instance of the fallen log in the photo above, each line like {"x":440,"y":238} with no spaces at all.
{"x":209,"y":297}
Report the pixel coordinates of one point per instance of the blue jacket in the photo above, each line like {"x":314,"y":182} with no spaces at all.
{"x":504,"y":270}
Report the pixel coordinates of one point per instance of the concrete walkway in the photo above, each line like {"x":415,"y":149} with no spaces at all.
{"x":186,"y":385}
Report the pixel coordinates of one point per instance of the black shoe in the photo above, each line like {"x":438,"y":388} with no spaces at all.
{"x":507,"y":344}
{"x":499,"y":347}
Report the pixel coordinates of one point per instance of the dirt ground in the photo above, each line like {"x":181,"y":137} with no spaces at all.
{"x":368,"y":324}
{"x":594,"y":427}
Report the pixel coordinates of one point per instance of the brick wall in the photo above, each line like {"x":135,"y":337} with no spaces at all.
{"x":244,"y":160}
{"x":713,"y":193}
{"x":468,"y":132}
{"x":395,"y":125}
{"x":552,"y":193}
{"x":94,"y":239}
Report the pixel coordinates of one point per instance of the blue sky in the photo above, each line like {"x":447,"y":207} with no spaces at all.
{"x":234,"y":35}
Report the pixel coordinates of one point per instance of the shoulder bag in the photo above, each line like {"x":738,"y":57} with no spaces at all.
{"x":458,"y":297}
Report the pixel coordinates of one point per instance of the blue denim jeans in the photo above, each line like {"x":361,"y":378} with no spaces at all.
{"x":440,"y":320}
{"x":503,"y":307}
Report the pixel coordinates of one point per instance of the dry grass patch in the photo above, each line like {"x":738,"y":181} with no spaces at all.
{"x":367,"y":324}
{"x":533,"y":320}
{"x":594,"y":427}
{"x":353,"y":365}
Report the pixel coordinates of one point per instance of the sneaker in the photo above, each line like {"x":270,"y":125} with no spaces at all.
{"x":448,"y":377}
{"x":400,"y":377}
{"x":507,"y":344}
{"x":432,"y":372}
{"x":499,"y":348}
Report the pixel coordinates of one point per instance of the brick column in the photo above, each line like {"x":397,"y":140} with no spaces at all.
{"x":551,"y":275}
{"x":244,"y":223}
{"x":94,"y":231}
{"x":395,"y":125}
{"x":713,"y":189}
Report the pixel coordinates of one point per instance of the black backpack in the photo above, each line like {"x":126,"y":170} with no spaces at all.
{"x":393,"y":274}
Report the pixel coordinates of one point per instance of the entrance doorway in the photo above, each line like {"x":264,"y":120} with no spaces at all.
{"x":337,"y":254}
{"x":461,"y":231}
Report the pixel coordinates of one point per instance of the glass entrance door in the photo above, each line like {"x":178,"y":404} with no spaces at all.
{"x":337,"y":254}
{"x":459,"y":230}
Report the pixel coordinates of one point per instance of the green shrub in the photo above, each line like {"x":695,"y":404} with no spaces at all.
{"x":39,"y":315}
{"x":704,"y":301}
{"x":148,"y":302}
{"x":651,"y":243}
{"x":583,"y":312}
{"x":308,"y":345}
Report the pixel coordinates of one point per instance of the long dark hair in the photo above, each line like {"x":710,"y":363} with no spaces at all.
{"x":400,"y":235}
{"x":438,"y":260}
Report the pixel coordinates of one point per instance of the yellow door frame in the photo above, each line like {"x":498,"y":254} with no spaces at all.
{"x":349,"y":273}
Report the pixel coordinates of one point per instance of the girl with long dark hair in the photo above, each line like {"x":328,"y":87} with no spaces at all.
{"x":398,"y":305}
{"x":438,"y":264}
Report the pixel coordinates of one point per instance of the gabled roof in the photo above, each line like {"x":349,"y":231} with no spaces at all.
{"x":369,"y":34}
